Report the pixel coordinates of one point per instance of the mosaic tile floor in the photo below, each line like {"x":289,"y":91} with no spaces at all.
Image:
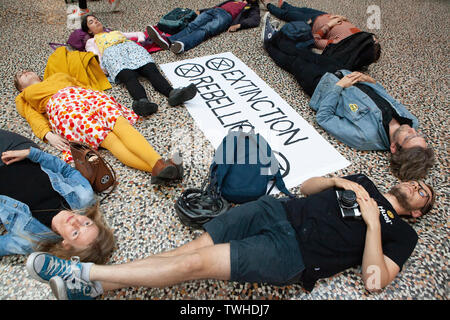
{"x":414,"y":68}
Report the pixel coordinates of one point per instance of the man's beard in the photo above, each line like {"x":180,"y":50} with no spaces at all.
{"x":401,"y":197}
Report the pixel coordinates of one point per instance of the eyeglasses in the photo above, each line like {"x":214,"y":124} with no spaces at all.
{"x":412,"y":136}
{"x":423,"y":193}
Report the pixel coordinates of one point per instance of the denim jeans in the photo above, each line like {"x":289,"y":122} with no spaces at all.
{"x":208,"y":24}
{"x":289,"y":13}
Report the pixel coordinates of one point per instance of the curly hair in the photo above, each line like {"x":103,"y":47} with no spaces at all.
{"x":411,"y":163}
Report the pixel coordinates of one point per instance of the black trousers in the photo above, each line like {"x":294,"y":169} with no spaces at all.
{"x":82,"y":4}
{"x":151,"y":73}
{"x":308,"y":67}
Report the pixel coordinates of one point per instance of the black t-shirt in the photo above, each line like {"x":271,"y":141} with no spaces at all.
{"x":330,"y":243}
{"x":387,"y":111}
{"x":25,"y":181}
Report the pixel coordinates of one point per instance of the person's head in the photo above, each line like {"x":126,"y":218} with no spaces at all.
{"x":414,"y":198}
{"x":86,"y":236}
{"x":25,"y":78}
{"x":411,"y":158}
{"x":91,"y":25}
{"x":376,"y":49}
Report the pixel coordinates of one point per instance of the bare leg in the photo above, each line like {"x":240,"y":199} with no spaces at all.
{"x":203,"y":241}
{"x":212,"y":262}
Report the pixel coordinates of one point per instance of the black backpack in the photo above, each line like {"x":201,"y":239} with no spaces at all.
{"x":176,"y":20}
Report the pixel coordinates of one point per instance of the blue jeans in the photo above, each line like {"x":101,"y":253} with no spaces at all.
{"x":208,"y":24}
{"x":290,"y":13}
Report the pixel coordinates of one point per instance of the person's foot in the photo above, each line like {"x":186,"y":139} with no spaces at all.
{"x":166,"y":171}
{"x":177,"y":47}
{"x":180,"y":95}
{"x":43,"y":266}
{"x":143,"y":107}
{"x":114,"y":4}
{"x":268,"y":30}
{"x":157,"y":38}
{"x":77,"y":11}
{"x":74,"y":289}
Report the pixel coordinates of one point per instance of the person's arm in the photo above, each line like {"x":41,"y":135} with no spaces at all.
{"x":340,"y":127}
{"x":92,"y":47}
{"x":320,"y":37}
{"x":139,"y":35}
{"x":38,"y":121}
{"x":377,"y":269}
{"x":318,"y":184}
{"x":81,"y":186}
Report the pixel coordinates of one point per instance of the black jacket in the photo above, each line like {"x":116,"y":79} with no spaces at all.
{"x":248,"y":18}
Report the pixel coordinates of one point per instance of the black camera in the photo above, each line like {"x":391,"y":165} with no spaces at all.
{"x":348,"y":204}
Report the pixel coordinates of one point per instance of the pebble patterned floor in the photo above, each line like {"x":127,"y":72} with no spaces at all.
{"x":414,"y":68}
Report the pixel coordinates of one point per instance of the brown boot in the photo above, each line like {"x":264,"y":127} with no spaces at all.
{"x":165,"y":171}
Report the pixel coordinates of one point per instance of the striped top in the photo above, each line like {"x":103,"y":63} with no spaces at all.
{"x":324,"y":35}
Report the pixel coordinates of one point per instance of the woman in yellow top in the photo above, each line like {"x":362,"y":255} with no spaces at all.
{"x":61,"y":109}
{"x":124,"y":61}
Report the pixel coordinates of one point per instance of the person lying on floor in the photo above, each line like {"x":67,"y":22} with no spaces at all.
{"x":274,"y":241}
{"x":125,"y":61}
{"x":46,"y":205}
{"x":61,"y":109}
{"x":229,"y":15}
{"x":353,"y":107}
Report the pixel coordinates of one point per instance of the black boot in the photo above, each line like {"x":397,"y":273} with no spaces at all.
{"x":144,"y":108}
{"x":180,"y":95}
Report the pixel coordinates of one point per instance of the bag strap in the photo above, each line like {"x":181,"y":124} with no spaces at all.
{"x":55,"y":45}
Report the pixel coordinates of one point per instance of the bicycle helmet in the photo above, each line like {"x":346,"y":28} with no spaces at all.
{"x":196,"y":207}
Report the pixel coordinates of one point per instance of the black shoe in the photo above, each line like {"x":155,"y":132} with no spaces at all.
{"x":143,"y":107}
{"x":180,"y":95}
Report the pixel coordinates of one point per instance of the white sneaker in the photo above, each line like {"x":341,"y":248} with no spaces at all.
{"x":114,"y":4}
{"x":73,"y":21}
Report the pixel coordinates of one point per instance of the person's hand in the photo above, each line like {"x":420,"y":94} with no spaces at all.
{"x":369,"y":212}
{"x":12,"y":156}
{"x":339,"y":17}
{"x":57,"y":141}
{"x":141,"y":37}
{"x":349,"y":79}
{"x":366,"y":78}
{"x":345,"y":184}
{"x":336,"y":19}
{"x":234,"y":28}
{"x":197,"y":12}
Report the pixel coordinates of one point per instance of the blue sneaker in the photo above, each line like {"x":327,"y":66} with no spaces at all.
{"x":73,"y":289}
{"x":268,"y":29}
{"x":43,"y":266}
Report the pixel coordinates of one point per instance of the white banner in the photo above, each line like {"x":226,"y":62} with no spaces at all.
{"x":231,"y":94}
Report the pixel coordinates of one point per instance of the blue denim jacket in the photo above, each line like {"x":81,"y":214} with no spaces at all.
{"x":351,"y":116}
{"x":20,"y":225}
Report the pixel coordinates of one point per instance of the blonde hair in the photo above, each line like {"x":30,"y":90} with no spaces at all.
{"x":98,"y":251}
{"x":17,"y":79}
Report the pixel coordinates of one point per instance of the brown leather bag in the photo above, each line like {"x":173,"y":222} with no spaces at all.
{"x":92,"y":166}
